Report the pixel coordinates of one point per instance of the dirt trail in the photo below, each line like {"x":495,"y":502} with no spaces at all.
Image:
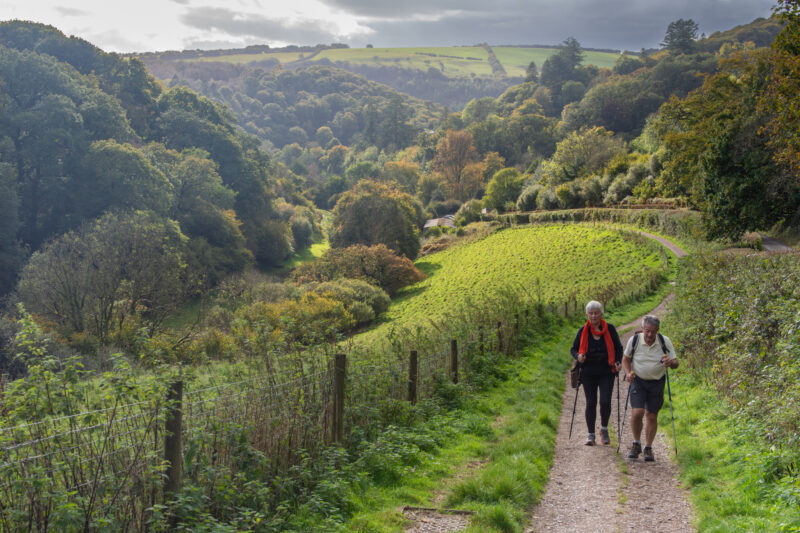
{"x":588,"y":490}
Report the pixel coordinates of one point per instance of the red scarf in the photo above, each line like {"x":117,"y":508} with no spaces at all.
{"x":584,"y":347}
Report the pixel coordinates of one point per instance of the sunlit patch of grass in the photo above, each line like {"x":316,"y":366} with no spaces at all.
{"x":725,"y":465}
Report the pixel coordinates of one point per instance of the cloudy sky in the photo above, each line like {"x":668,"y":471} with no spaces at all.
{"x":150,"y":25}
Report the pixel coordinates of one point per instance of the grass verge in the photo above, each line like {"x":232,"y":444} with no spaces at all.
{"x":497,"y":458}
{"x":734,"y":476}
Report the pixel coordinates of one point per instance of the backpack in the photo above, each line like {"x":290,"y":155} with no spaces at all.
{"x":636,"y":341}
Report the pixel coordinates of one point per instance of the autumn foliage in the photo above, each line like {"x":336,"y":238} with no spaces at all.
{"x":375,"y":264}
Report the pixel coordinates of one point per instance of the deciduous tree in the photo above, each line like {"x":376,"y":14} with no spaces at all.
{"x":376,"y":213}
{"x":453,"y":154}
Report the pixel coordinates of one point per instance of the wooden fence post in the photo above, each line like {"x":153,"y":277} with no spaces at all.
{"x":412,"y":377}
{"x":339,"y":374}
{"x":454,"y":361}
{"x":173,"y":439}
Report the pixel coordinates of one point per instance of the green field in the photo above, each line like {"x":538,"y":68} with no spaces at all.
{"x":453,"y":61}
{"x":516,"y":60}
{"x":551,"y":264}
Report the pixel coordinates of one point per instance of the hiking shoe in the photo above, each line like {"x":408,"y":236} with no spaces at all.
{"x":590,"y":439}
{"x":636,"y":449}
{"x":648,"y":454}
{"x":604,"y":437}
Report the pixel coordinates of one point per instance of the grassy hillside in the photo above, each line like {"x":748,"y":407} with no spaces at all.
{"x":550,"y":264}
{"x":452,"y":61}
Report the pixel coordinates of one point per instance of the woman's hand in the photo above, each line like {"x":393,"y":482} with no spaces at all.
{"x":581,"y":358}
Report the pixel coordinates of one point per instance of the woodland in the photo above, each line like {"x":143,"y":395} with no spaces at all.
{"x":212,"y":223}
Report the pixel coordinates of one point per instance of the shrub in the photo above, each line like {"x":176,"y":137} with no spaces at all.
{"x":356,"y":294}
{"x":527,"y":198}
{"x":374,"y":264}
{"x":301,"y":232}
{"x":469,"y":212}
{"x":445,"y":207}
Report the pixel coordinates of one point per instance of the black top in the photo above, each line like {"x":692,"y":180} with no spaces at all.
{"x":596,"y":362}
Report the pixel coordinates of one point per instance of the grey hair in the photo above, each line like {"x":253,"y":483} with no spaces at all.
{"x":594,"y":305}
{"x":651,"y":320}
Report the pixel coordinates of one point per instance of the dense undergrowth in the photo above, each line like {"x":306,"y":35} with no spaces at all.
{"x":736,"y":321}
{"x":256,"y":430}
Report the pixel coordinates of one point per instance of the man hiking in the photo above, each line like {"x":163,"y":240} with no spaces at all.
{"x":647,"y":356}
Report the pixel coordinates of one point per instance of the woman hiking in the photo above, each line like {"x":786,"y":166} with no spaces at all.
{"x":598,"y":350}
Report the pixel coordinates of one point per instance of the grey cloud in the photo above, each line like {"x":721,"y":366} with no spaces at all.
{"x":181,"y":2}
{"x":406,"y":8}
{"x":619,"y":24}
{"x":71,"y":11}
{"x":252,"y":25}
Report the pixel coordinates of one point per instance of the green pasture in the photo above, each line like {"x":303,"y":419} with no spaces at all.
{"x":548,"y":263}
{"x":453,"y":61}
{"x":241,"y":59}
{"x":516,"y":60}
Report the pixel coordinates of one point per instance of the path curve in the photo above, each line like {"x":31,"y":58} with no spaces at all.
{"x":773,"y":245}
{"x":588,"y":490}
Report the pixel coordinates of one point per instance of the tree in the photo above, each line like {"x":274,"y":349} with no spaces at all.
{"x":119,"y":268}
{"x":11,"y":252}
{"x":531,"y":73}
{"x":453,"y":154}
{"x":714,"y":151}
{"x":203,"y":206}
{"x":376,"y":213}
{"x":395,"y":130}
{"x":562,"y":66}
{"x":376,"y":264}
{"x":503,"y":188}
{"x":405,"y":175}
{"x":584,"y":153}
{"x":779,"y":100}
{"x":119,"y":176}
{"x":681,"y":36}
{"x":625,"y":64}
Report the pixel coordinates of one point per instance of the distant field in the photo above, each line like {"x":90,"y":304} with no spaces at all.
{"x":453,"y":61}
{"x":516,"y":60}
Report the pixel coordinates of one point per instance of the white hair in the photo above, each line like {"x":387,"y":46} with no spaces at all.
{"x":594,"y":305}
{"x":651,"y":320}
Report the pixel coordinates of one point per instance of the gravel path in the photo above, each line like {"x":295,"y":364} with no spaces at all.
{"x":588,"y":490}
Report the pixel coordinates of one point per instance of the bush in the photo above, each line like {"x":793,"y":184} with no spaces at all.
{"x":527,"y":198}
{"x":301,"y":232}
{"x":469,"y":212}
{"x":445,"y":207}
{"x":352,"y":292}
{"x":547,"y":199}
{"x":375,"y":264}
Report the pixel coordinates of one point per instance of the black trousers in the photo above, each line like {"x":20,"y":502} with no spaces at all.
{"x":604,"y":383}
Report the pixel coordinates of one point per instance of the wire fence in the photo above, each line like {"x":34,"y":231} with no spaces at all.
{"x":111,"y":465}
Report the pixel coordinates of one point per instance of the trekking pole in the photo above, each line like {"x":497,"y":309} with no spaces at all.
{"x":627,"y":397}
{"x":618,"y":420}
{"x":672,"y":414}
{"x":575,"y":403}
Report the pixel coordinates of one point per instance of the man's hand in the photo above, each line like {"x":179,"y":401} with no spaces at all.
{"x":631,"y":376}
{"x":671,"y":363}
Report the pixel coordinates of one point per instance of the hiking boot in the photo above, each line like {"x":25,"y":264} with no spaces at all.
{"x":606,"y":440}
{"x":590,"y":439}
{"x":636,"y":449}
{"x":648,"y":454}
